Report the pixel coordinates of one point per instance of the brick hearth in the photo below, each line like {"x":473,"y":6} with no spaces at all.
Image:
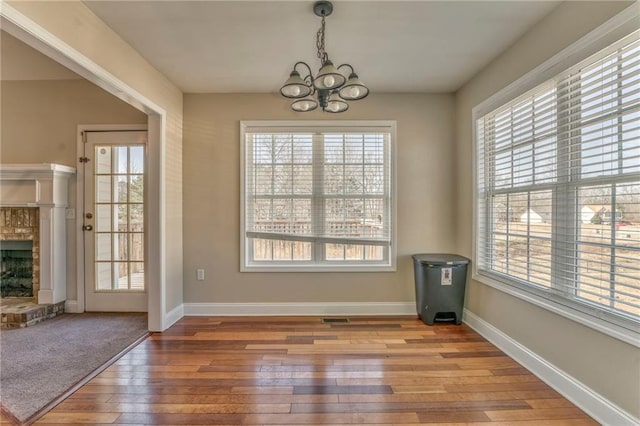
{"x":24,"y":311}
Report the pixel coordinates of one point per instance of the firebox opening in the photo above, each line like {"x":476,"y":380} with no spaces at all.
{"x":16,"y":268}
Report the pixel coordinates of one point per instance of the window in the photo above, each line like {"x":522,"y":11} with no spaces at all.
{"x":317,"y":196}
{"x":558,"y":188}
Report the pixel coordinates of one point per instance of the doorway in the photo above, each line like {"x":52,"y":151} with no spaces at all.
{"x":113,"y":220}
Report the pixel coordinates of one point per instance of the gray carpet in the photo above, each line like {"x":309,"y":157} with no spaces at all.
{"x":39,"y":363}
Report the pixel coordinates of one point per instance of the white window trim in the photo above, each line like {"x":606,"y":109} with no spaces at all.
{"x":322,"y":126}
{"x":611,"y":31}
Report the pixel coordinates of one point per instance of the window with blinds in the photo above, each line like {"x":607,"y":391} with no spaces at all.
{"x":317,"y":195}
{"x":558,"y":187}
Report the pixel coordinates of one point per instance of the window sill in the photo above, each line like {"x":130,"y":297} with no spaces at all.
{"x":621,"y":332}
{"x":318,"y":268}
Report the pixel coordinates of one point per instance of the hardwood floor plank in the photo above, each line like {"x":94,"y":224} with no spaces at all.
{"x":168,"y":408}
{"x":180,"y":419}
{"x":71,"y":417}
{"x":301,"y":390}
{"x":301,"y":371}
{"x":452,"y":417}
{"x":538,"y":414}
{"x":331,"y":418}
{"x":392,"y":407}
{"x":227,"y":399}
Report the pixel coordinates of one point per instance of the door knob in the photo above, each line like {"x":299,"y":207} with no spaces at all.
{"x":87,"y":227}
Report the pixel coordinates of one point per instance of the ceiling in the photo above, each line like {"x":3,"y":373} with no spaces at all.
{"x":250,"y":46}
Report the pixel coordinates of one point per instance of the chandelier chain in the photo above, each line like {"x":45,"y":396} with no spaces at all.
{"x":322,"y":54}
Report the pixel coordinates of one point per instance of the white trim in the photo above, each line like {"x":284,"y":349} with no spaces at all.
{"x":301,"y":308}
{"x":611,"y":31}
{"x":322,"y":126}
{"x":173,"y":316}
{"x":28,"y":31}
{"x":594,"y":404}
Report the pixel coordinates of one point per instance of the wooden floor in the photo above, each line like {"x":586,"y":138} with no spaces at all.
{"x":299,"y":370}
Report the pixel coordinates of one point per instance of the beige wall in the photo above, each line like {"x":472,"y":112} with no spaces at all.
{"x":77,"y":26}
{"x":606,"y":365}
{"x":39,"y":125}
{"x":425,"y":173}
{"x":40,"y":118}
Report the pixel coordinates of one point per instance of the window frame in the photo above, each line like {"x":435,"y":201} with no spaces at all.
{"x":610,"y":32}
{"x":317,"y":264}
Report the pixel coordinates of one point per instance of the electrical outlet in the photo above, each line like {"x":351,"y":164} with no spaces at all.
{"x":70,"y":213}
{"x":200,"y":274}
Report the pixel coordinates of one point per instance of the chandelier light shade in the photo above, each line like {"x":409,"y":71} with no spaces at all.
{"x":330,"y":88}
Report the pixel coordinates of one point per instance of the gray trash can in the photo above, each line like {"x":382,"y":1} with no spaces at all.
{"x":440,"y":283}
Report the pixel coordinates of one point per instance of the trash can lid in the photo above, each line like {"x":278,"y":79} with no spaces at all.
{"x":440,"y":259}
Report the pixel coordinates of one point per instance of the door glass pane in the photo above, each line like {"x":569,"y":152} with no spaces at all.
{"x":103,"y":246}
{"x":136,"y":247}
{"x":120,"y":189}
{"x":121,"y":275}
{"x":136,"y":269}
{"x":136,"y":189}
{"x":136,"y":159}
{"x":103,"y":218}
{"x":120,"y":247}
{"x":103,"y":189}
{"x":136,"y":217}
{"x":121,"y":217}
{"x":103,"y":159}
{"x":120,"y":159}
{"x":103,"y":276}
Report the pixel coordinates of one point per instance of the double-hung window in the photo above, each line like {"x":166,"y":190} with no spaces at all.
{"x":317,"y":196}
{"x":558,"y":188}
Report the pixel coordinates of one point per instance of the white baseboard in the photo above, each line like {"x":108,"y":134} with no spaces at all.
{"x":594,"y":404}
{"x":172,"y":316}
{"x":72,"y":307}
{"x":284,"y":309}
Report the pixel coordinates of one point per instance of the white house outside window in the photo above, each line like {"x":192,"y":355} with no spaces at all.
{"x":558,"y":188}
{"x":317,"y":195}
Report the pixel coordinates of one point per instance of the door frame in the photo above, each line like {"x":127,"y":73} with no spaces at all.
{"x":39,"y":38}
{"x":80,"y":178}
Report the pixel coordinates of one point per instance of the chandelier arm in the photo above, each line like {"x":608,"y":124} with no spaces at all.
{"x":346,"y":65}
{"x":309,"y":80}
{"x":309,"y":72}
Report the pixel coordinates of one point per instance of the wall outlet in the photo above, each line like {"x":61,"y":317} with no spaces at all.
{"x":70,"y":213}
{"x":200,"y":274}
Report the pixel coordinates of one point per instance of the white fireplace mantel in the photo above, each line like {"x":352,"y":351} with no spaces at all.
{"x":45,"y":186}
{"x":35,"y":184}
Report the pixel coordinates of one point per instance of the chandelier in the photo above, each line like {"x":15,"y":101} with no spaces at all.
{"x":329,"y":89}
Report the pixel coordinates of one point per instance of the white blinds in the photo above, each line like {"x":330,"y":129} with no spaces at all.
{"x":559,"y":185}
{"x":319,"y":187}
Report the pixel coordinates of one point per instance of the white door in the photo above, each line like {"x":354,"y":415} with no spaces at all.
{"x":114,"y":220}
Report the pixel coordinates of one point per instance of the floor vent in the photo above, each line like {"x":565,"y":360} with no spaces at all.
{"x":335,"y":320}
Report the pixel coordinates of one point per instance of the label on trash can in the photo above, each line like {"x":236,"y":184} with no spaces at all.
{"x":445,"y":278}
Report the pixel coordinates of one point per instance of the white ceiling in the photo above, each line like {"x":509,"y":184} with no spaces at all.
{"x":250,"y":46}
